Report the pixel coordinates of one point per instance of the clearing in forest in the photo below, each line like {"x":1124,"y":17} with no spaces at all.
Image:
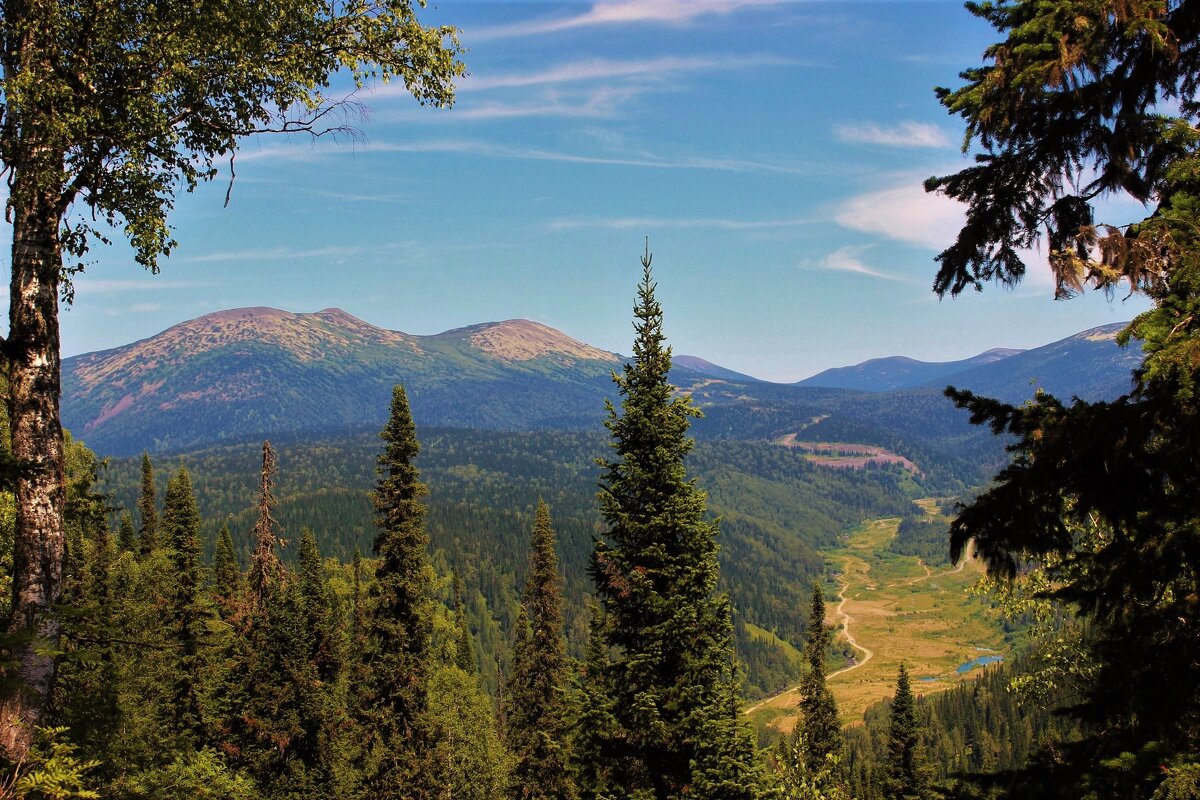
{"x":894,"y":608}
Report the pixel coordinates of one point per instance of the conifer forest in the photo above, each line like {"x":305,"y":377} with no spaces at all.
{"x":537,"y":570}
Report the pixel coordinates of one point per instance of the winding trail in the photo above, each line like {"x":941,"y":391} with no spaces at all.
{"x":867,"y":653}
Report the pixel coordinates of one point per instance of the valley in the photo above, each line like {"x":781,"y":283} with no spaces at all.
{"x":889,"y":609}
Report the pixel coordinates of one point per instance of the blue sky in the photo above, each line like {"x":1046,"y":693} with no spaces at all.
{"x":772,"y":151}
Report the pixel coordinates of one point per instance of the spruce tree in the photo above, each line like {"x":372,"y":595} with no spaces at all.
{"x":266,"y":570}
{"x":465,"y":653}
{"x":536,"y":703}
{"x":322,"y":709}
{"x":672,"y":671}
{"x":147,"y":509}
{"x":126,"y":535}
{"x":819,"y":725}
{"x":399,"y":620}
{"x":905,"y":775}
{"x":227,"y":575}
{"x":181,"y":529}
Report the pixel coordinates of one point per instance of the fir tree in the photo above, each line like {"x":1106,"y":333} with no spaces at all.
{"x":819,"y":731}
{"x":147,"y":509}
{"x":672,"y":673}
{"x":181,"y":528}
{"x":536,"y":703}
{"x":322,"y":700}
{"x":595,"y":725}
{"x":905,"y":775}
{"x":399,"y":619}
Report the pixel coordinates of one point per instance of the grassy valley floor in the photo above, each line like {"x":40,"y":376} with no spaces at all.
{"x":892,"y":609}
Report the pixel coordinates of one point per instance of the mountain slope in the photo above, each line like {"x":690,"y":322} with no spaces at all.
{"x":1090,"y":365}
{"x":897,"y":372}
{"x":256,"y":370}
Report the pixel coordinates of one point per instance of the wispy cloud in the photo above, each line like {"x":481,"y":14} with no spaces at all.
{"x":903,"y":134}
{"x":652,"y":223}
{"x":488,"y":149}
{"x":476,"y":147}
{"x":281,"y":253}
{"x":847,"y":259}
{"x":593,"y":88}
{"x":150,"y":283}
{"x":602,"y":69}
{"x":620,"y":12}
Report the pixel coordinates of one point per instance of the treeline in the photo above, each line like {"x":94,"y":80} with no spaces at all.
{"x":778,"y":511}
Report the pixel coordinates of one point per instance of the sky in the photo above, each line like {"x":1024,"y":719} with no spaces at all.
{"x":772,"y":151}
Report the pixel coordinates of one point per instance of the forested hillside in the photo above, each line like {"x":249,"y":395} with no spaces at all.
{"x":778,"y":511}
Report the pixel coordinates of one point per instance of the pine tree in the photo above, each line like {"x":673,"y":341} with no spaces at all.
{"x":147,"y":509}
{"x":905,"y":775}
{"x":536,"y":703}
{"x":672,"y":672}
{"x":322,"y":700}
{"x":595,"y":725}
{"x":181,"y":529}
{"x":399,"y":619}
{"x":819,"y":724}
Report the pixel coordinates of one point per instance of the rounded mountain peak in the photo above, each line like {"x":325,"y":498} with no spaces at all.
{"x":524,"y":340}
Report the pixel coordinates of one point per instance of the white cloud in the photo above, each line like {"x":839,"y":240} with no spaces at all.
{"x":903,"y":134}
{"x":905,"y":213}
{"x":846,"y":259}
{"x":620,"y":12}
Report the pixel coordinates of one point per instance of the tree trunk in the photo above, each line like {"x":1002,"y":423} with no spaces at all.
{"x":33,"y":408}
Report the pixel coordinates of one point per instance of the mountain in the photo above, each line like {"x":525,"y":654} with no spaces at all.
{"x":1090,"y":365}
{"x":250,"y":371}
{"x":897,"y":372}
{"x":708,"y":369}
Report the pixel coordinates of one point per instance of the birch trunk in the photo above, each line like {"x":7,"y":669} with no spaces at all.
{"x":33,"y":408}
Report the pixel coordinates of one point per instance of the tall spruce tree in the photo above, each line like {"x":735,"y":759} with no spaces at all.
{"x":399,"y":620}
{"x":181,"y":529}
{"x":126,"y":534}
{"x":905,"y":775}
{"x":672,"y":670}
{"x":227,"y":575}
{"x":819,"y":725}
{"x":536,"y":714}
{"x":147,"y":509}
{"x":266,"y":570}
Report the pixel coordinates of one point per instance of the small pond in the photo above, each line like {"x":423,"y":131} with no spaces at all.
{"x":981,"y":661}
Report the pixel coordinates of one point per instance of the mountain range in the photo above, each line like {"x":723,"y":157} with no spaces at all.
{"x":255,"y":372}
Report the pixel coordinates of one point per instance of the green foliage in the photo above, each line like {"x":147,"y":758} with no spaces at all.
{"x":198,"y":775}
{"x":147,"y":506}
{"x":466,"y":758}
{"x":671,"y":671}
{"x":399,"y":619}
{"x":819,"y":732}
{"x":905,"y":775}
{"x":536,"y":715}
{"x":52,"y":772}
{"x":181,"y":529}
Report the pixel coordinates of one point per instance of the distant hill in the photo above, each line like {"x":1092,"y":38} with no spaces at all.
{"x":256,"y":372}
{"x":261,"y":371}
{"x":897,"y":372}
{"x":253,"y":370}
{"x":707,"y":368}
{"x":1089,"y":365}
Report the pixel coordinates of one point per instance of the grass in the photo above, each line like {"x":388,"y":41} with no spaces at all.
{"x":900,"y":611}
